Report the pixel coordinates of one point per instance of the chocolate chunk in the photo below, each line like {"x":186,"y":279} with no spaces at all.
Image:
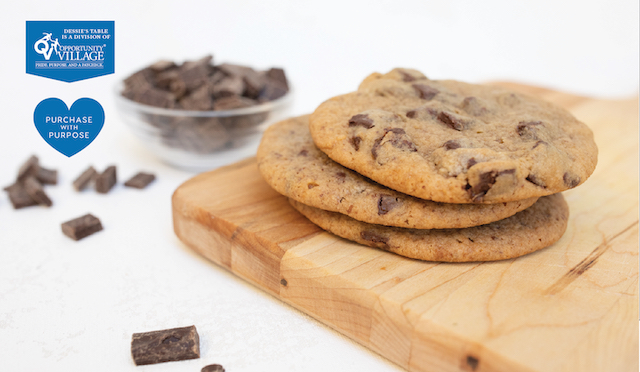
{"x":355,"y":142}
{"x":47,"y":176}
{"x":36,"y":192}
{"x":165,"y":346}
{"x":451,"y":145}
{"x":201,"y":137}
{"x":303,"y":152}
{"x":156,"y":97}
{"x":272,"y":90}
{"x":570,"y":181}
{"x":229,"y":86}
{"x":176,"y":85}
{"x":254,"y":82}
{"x":232,"y":102}
{"x":406,"y":77}
{"x":28,"y":168}
{"x":376,"y":145}
{"x":81,"y":227}
{"x":487,"y":180}
{"x":216,"y":77}
{"x":234,"y":70}
{"x":472,"y":362}
{"x":277,"y":74}
{"x":361,"y":120}
{"x":527,"y":129}
{"x":371,"y":236}
{"x":140,"y":180}
{"x":214,"y":367}
{"x":105,"y":180}
{"x":164,"y":79}
{"x":198,"y":100}
{"x":397,"y":140}
{"x":471,"y":162}
{"x":425,"y":92}
{"x":84,"y":179}
{"x":196,"y":73}
{"x":139,"y":80}
{"x":452,"y":121}
{"x":472,"y":106}
{"x":162,"y":65}
{"x":412,"y":114}
{"x":534,"y":180}
{"x":387,"y":203}
{"x":19,"y":197}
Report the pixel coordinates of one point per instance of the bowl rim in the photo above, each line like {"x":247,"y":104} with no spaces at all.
{"x":259,"y":108}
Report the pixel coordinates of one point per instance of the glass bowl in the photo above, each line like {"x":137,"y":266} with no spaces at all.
{"x":200,"y":140}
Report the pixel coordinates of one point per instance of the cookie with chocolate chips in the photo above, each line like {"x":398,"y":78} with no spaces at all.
{"x":454,"y":142}
{"x":527,"y":231}
{"x":291,"y":163}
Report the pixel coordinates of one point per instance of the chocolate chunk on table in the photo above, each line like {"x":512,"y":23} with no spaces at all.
{"x":105,"y":180}
{"x":19,"y":197}
{"x":165,"y":346}
{"x":212,"y":368}
{"x":36,"y":192}
{"x":140,"y":180}
{"x":29,"y":168}
{"x":81,"y":227}
{"x":84,"y":179}
{"x":47,"y":176}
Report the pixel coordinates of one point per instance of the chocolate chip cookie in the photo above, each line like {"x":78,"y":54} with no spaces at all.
{"x":291,"y":164}
{"x":454,"y":142}
{"x":534,"y":228}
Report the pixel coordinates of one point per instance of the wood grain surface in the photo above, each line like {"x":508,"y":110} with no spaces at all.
{"x":570,"y":307}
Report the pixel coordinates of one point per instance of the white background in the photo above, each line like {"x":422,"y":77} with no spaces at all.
{"x":72,"y":306}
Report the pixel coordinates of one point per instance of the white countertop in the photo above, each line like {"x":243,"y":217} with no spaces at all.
{"x":73,"y":306}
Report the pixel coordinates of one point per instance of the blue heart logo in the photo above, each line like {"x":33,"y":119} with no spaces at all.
{"x":69,"y":130}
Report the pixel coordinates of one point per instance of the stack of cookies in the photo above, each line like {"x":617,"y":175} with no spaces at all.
{"x":436,"y":170}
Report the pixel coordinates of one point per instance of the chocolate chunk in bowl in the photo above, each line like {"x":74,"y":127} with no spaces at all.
{"x":198,"y":115}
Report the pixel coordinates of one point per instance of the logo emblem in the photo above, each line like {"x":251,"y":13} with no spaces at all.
{"x":68,"y":130}
{"x":70,"y":50}
{"x":43,"y":47}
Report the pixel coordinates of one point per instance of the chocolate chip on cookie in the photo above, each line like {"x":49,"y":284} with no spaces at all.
{"x":362,"y":120}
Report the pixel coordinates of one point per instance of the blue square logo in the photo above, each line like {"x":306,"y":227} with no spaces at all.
{"x":70,"y":50}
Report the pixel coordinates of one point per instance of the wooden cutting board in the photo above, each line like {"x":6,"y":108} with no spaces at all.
{"x":570,"y":307}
